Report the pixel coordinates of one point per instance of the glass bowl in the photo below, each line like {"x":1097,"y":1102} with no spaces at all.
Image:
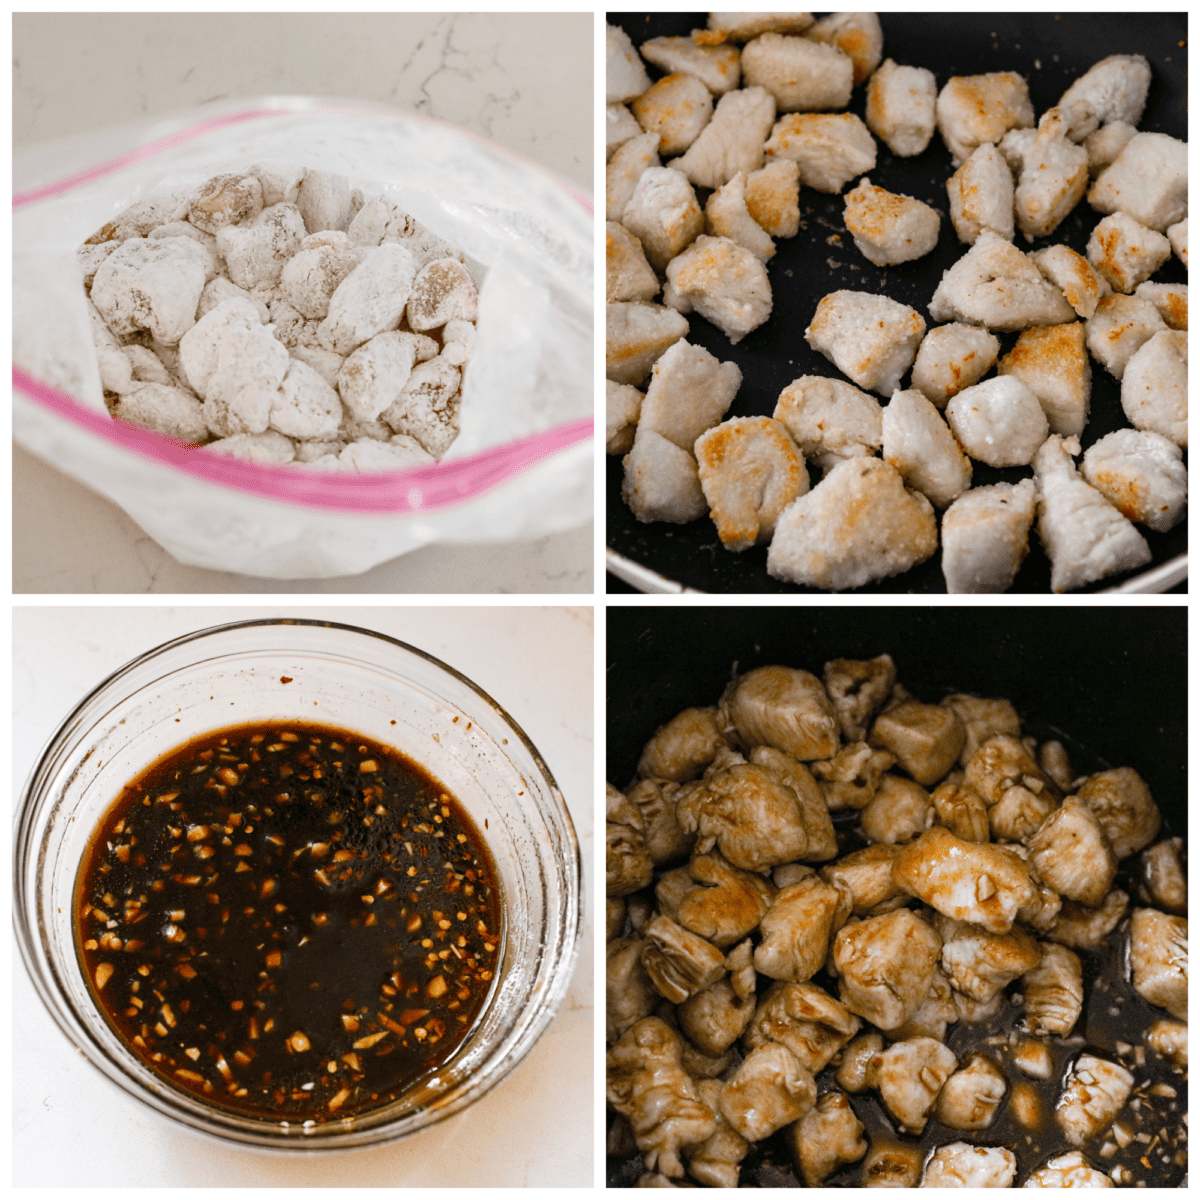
{"x":341,"y":676}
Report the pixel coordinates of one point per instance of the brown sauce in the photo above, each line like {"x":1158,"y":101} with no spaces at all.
{"x":288,"y":920}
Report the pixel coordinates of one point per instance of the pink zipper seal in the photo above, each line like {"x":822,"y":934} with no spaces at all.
{"x":418,"y":489}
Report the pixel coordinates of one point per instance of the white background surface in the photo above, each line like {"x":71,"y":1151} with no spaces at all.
{"x":71,"y":1128}
{"x":524,"y":80}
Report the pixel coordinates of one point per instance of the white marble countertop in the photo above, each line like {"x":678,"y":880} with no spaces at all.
{"x":524,"y":80}
{"x":71,"y":1128}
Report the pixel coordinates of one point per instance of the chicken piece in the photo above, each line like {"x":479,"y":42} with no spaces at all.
{"x":750,"y":471}
{"x":677,"y":108}
{"x":959,"y":1164}
{"x":714,"y":1018}
{"x":628,"y":274}
{"x":1095,"y":1091}
{"x":918,"y":443}
{"x":1053,"y":178}
{"x":981,"y":883}
{"x":772,"y":196}
{"x":952,"y":357}
{"x":1158,"y":954}
{"x":683,"y":747}
{"x":741,"y":27}
{"x":859,"y":1067}
{"x":1072,"y":853}
{"x":723,"y":282}
{"x":1169,"y":1039}
{"x":973,"y":109}
{"x":756,"y":820}
{"x":892,"y":1164}
{"x":732,"y":141}
{"x":822,"y":841}
{"x":850,"y":778}
{"x":867,"y":875}
{"x":781,"y":707}
{"x":622,"y":172}
{"x":1020,"y":813}
{"x":857,"y":689}
{"x":1083,"y":927}
{"x":900,"y":810}
{"x":729,"y":906}
{"x":1148,"y":181}
{"x":1120,"y":326}
{"x":1126,"y":810}
{"x":630,"y":994}
{"x":1105,"y":144}
{"x":655,"y":801}
{"x":1161,"y":879}
{"x":925,"y":738}
{"x":982,"y":964}
{"x":959,"y":810}
{"x":996,"y":285}
{"x":1068,"y":1171}
{"x":1043,"y":910}
{"x":1125,"y":252}
{"x":1113,"y":89}
{"x":1177,"y":235}
{"x":1171,"y":300}
{"x":858,"y":524}
{"x":648,"y":1085}
{"x":886,"y":965}
{"x":981,"y":195}
{"x":1034,"y":1058}
{"x":1083,"y":535}
{"x":999,"y":422}
{"x":900,"y":107}
{"x":1154,"y":386}
{"x":888,"y":228}
{"x":977,"y":1012}
{"x":830,"y":420}
{"x":714,"y":1162}
{"x":627,"y":865}
{"x":1052,"y":362}
{"x":661,"y":481}
{"x":824,"y":1139}
{"x":614,"y":917}
{"x":982,"y":719}
{"x":637,"y":334}
{"x":869,"y":338}
{"x":911,"y":1074}
{"x":625,"y":77}
{"x":858,"y":35}
{"x":769,"y":1090}
{"x":935,"y":1014}
{"x":726,"y":215}
{"x":1073,"y":275}
{"x":619,"y":127}
{"x":1054,"y":992}
{"x":805,"y":1019}
{"x":690,"y":391}
{"x":830,"y":149}
{"x":1055,"y":763}
{"x":985,"y":536}
{"x":679,"y":963}
{"x":663,"y":214}
{"x":796,"y":930}
{"x":719,"y":68}
{"x":802,"y":75}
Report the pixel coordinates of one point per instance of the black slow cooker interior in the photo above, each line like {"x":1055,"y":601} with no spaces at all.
{"x":1111,"y":682}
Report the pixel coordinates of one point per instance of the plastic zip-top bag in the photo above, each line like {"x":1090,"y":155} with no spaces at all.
{"x":522,"y":463}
